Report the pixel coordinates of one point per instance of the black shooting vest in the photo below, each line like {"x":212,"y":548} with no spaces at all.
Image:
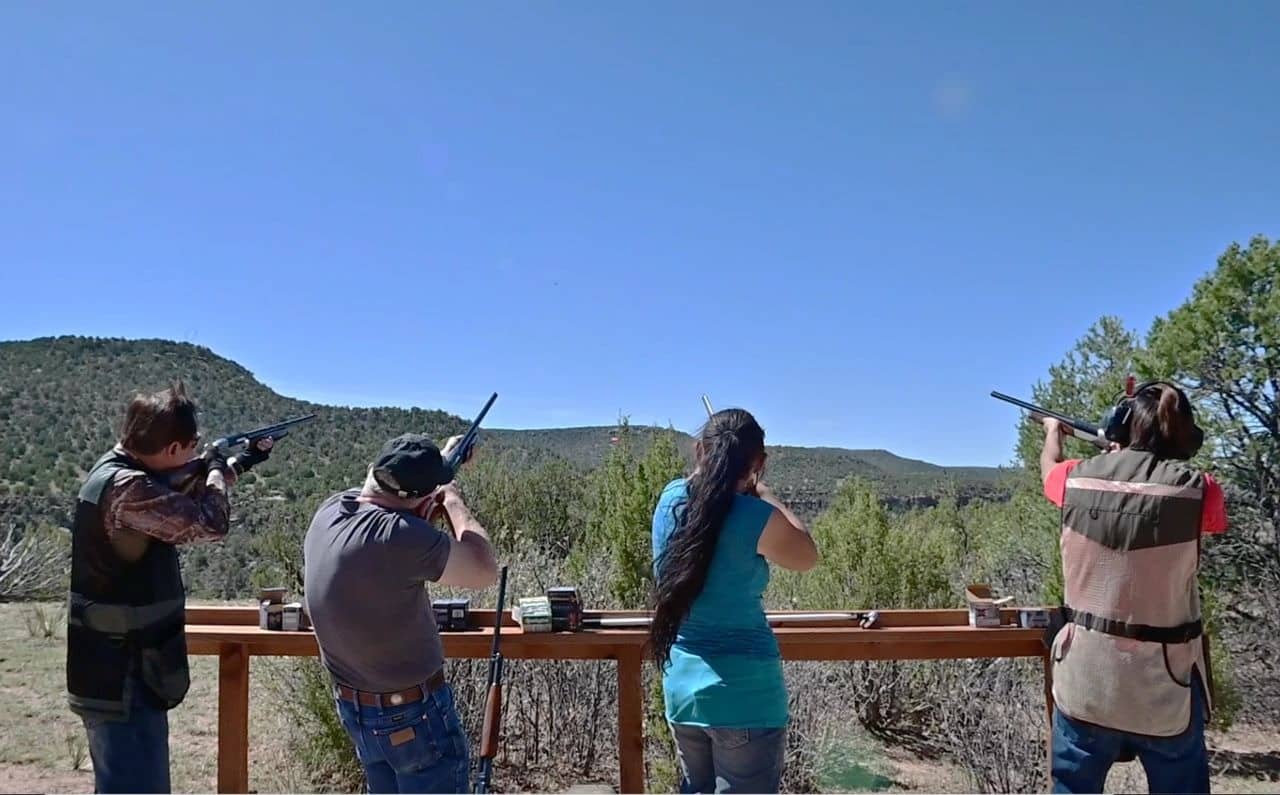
{"x":124,"y":617}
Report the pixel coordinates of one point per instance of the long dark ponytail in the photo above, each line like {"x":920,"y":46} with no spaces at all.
{"x":732,"y":442}
{"x":1164,"y":423}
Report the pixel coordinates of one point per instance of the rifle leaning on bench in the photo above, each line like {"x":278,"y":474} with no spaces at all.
{"x":493,"y":701}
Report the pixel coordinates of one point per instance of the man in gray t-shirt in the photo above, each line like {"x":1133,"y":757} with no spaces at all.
{"x":368,"y":556}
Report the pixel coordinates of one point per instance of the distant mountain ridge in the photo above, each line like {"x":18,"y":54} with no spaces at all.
{"x":61,"y":398}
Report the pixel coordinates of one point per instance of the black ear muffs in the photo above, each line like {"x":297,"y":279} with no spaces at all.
{"x":1115,"y":426}
{"x":1197,"y":440}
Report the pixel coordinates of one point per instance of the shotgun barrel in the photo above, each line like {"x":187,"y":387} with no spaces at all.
{"x":459,"y":454}
{"x":1081,"y":430}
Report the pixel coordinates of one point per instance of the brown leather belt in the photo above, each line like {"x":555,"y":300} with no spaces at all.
{"x":408,"y":696}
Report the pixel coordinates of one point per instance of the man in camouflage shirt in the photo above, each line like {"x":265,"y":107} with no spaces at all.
{"x":126,"y":647}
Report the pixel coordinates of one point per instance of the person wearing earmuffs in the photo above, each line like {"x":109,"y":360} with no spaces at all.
{"x":1130,"y":667}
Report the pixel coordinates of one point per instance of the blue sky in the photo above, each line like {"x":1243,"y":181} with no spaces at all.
{"x":854,"y":219}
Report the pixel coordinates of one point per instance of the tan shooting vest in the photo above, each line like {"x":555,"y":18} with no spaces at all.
{"x":1130,"y":551}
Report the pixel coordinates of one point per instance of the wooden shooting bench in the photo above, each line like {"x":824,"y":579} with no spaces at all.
{"x":232,"y":633}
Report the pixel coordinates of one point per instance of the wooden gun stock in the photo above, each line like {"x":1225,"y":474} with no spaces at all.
{"x":190,"y":478}
{"x":492,"y":722}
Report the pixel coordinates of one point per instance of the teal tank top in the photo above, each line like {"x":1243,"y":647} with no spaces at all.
{"x":724,"y":670}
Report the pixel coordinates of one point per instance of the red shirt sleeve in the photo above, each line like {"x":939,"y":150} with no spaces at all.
{"x":1055,"y":486}
{"x":1213,"y":513}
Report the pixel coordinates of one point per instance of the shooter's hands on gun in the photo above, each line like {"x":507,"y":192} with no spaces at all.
{"x":231,"y":469}
{"x":1054,"y":428}
{"x":448,"y":495}
{"x":1057,"y":429}
{"x":255,"y":454}
{"x":441,"y":500}
{"x":451,"y":444}
{"x":220,"y":476}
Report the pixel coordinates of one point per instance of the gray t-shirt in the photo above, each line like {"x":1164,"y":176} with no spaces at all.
{"x":365,"y":574}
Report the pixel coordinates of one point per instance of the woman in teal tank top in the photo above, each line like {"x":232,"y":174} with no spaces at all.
{"x":714,"y":535}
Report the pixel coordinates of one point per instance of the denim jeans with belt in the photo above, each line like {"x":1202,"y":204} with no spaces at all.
{"x":729,"y":760}
{"x":1084,"y":753}
{"x":131,"y":755}
{"x":414,"y":747}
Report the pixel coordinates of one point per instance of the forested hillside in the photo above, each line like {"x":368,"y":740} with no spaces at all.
{"x":61,"y":401}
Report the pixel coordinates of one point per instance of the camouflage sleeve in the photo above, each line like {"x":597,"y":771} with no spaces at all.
{"x":144,"y":505}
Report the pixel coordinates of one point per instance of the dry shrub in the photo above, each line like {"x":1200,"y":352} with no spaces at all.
{"x":43,"y":621}
{"x":991,"y":719}
{"x":34,"y":562}
{"x":988,"y":716}
{"x":325,"y":757}
{"x":559,"y":720}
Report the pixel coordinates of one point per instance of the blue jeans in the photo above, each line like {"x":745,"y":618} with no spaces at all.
{"x":729,"y":760}
{"x":1083,"y":754}
{"x":131,"y":755}
{"x":417,"y":747}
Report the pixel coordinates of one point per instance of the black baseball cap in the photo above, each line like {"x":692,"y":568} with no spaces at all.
{"x":410,"y":466}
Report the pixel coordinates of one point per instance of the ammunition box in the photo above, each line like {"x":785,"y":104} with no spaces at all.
{"x":533,"y":614}
{"x":291,"y":619}
{"x":271,"y":616}
{"x":566,"y":609}
{"x":1033,"y":618}
{"x":984,"y":611}
{"x":452,"y":615}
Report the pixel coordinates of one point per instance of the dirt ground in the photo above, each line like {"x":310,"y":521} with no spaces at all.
{"x":42,"y":745}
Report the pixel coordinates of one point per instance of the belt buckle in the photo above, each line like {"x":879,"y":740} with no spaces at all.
{"x":396,"y":699}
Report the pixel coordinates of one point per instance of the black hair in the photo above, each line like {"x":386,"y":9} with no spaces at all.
{"x":1163,"y":422}
{"x":732,"y":443}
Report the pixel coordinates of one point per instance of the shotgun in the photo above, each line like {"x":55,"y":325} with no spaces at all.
{"x":1081,"y":430}
{"x":457,"y":457}
{"x":493,"y":701}
{"x":462,"y":452}
{"x":192,"y":474}
{"x":864,"y":618}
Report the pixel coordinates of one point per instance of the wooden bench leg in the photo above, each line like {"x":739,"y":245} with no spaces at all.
{"x":233,"y":719}
{"x":631,"y":720}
